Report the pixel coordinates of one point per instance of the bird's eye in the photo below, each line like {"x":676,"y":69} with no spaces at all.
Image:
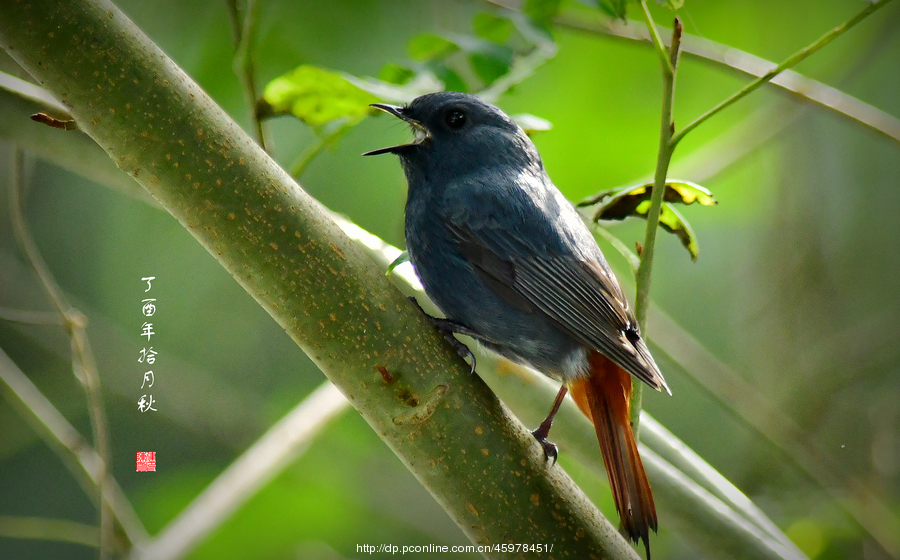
{"x":455,"y":118}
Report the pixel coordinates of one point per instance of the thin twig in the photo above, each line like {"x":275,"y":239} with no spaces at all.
{"x":243,"y":31}
{"x":803,"y":88}
{"x":42,"y":528}
{"x":797,"y":57}
{"x":766,"y":122}
{"x":744,"y":63}
{"x":303,"y":162}
{"x":523,"y":67}
{"x":271,"y":453}
{"x":707,"y":161}
{"x":234,"y":19}
{"x":644,"y":272}
{"x":657,"y":42}
{"x":31,"y":317}
{"x":83,"y":363}
{"x":86,"y":465}
{"x":633,"y":260}
{"x":35,"y":94}
{"x":733,"y":145}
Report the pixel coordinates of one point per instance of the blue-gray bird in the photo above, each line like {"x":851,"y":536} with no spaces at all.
{"x":508,"y":261}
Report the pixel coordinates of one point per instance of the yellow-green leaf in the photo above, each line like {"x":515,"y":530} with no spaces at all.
{"x":315,"y":96}
{"x":685,"y":192}
{"x":618,"y":204}
{"x":673,"y":222}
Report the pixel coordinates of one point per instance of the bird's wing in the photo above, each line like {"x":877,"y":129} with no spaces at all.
{"x":578,"y":295}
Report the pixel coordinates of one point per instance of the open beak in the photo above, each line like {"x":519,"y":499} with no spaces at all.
{"x":400,"y":112}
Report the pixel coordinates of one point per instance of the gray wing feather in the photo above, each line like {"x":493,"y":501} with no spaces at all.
{"x":578,"y":296}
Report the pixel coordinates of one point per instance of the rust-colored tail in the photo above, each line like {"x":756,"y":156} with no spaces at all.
{"x":605,"y":398}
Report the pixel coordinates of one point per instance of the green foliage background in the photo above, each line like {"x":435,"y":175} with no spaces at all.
{"x":795,"y":288}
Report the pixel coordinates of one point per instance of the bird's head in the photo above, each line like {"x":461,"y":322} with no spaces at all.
{"x":458,"y":132}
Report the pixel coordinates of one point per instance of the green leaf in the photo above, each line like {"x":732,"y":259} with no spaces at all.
{"x":396,"y":74}
{"x":618,"y":204}
{"x":451,"y":80}
{"x":491,"y":62}
{"x":492,"y":27}
{"x":531,"y":124}
{"x":614,"y":8}
{"x":429,"y":46}
{"x":401,"y":258}
{"x":671,"y":4}
{"x":315,"y":96}
{"x":541,"y":11}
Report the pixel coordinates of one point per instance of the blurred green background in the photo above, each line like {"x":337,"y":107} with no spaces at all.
{"x":796,"y":287}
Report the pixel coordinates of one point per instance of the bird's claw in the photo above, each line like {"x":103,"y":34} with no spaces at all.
{"x":550,"y":449}
{"x":461,"y":349}
{"x":448,"y":328}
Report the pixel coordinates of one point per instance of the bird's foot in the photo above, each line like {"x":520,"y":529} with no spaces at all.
{"x":541,"y":433}
{"x":550,"y":449}
{"x":448,"y":328}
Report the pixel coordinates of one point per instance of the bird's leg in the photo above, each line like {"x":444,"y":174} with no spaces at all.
{"x":543,"y":430}
{"x":448,"y":328}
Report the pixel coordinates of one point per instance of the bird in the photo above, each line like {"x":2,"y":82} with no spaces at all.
{"x":508,"y":261}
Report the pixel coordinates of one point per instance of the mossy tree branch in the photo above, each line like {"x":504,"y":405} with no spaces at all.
{"x":444,"y":424}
